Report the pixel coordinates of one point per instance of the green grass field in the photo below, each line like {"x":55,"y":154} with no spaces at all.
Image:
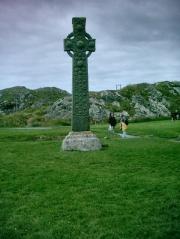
{"x":130,"y":189}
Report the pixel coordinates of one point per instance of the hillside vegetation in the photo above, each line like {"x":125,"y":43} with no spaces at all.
{"x":20,"y":106}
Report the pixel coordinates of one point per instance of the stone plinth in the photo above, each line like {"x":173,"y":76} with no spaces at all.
{"x":81,"y":141}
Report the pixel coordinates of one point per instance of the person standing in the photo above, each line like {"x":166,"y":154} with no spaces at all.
{"x":112,"y":122}
{"x":124,"y":125}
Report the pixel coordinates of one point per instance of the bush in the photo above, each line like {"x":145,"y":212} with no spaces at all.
{"x":35,"y":121}
{"x":57,"y":122}
{"x":13,"y":120}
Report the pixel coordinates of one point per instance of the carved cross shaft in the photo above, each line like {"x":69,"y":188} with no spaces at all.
{"x":79,"y":45}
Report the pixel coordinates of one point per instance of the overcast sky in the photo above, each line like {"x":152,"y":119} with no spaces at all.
{"x":136,"y":41}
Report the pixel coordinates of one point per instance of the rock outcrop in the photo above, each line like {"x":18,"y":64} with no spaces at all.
{"x":140,"y":101}
{"x":20,"y":98}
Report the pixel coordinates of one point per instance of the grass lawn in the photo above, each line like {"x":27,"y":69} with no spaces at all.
{"x":128,"y":190}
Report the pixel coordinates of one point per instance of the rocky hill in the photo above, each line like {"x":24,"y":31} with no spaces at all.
{"x":20,"y":98}
{"x":37,"y":107}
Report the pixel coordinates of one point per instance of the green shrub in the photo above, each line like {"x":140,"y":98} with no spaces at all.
{"x":57,"y":122}
{"x":13,"y":120}
{"x":35,"y":121}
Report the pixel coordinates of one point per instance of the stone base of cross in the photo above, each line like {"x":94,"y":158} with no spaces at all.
{"x":79,"y":45}
{"x":81,"y":141}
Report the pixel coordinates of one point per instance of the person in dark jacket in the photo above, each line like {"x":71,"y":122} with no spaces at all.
{"x":112,"y":122}
{"x":175,"y":115}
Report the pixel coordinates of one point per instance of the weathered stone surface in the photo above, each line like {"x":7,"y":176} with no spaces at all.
{"x":81,"y":141}
{"x":79,"y":45}
{"x":61,"y":109}
{"x":102,"y":103}
{"x":97,"y":110}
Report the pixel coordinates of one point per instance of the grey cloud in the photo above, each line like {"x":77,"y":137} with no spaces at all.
{"x":136,"y":41}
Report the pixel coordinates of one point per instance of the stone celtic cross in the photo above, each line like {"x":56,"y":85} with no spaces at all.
{"x":79,"y":45}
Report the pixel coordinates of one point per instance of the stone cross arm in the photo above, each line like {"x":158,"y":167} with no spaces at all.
{"x":79,"y":40}
{"x":79,"y":45}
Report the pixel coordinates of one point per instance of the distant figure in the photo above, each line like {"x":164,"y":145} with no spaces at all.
{"x":112,"y":122}
{"x":124,"y":124}
{"x":175,"y":115}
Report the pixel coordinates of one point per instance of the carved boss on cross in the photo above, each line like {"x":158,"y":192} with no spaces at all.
{"x":79,"y":40}
{"x":79,"y":45}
